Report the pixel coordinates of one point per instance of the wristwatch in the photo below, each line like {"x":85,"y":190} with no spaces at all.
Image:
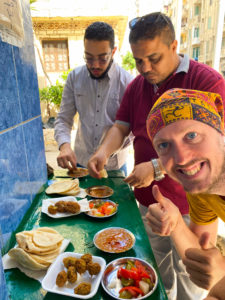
{"x":157,"y":171}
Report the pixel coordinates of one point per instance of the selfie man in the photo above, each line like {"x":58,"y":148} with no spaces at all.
{"x":95,"y":91}
{"x":152,"y":40}
{"x":187,"y":131}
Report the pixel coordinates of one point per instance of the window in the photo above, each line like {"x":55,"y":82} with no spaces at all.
{"x":196,"y":32}
{"x":196,"y":10}
{"x":196,"y":53}
{"x":55,"y":55}
{"x":209,"y":22}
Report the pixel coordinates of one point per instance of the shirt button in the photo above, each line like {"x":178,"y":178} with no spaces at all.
{"x":95,"y":139}
{"x":97,"y":110}
{"x":96,"y":124}
{"x":98,"y":96}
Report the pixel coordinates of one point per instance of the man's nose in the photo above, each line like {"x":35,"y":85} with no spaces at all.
{"x":181,"y":154}
{"x":146,"y":67}
{"x":95,"y":63}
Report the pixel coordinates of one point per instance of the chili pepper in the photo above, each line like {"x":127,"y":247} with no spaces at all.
{"x":132,"y":290}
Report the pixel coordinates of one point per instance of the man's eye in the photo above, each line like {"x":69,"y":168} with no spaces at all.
{"x":162,"y":146}
{"x":155,"y":60}
{"x":191,"y":135}
{"x":138,"y":61}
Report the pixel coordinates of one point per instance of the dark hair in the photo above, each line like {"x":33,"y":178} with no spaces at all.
{"x":100,"y":31}
{"x":151,"y":26}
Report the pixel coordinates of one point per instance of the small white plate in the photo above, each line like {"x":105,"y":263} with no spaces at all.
{"x":49,"y":281}
{"x":84,"y":206}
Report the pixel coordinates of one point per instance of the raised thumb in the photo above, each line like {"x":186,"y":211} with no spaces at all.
{"x":204,"y":240}
{"x":158,"y":196}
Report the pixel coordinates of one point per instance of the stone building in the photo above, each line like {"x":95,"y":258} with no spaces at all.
{"x":199,"y":25}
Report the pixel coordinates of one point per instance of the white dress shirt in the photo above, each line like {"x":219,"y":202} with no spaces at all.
{"x":96,"y":102}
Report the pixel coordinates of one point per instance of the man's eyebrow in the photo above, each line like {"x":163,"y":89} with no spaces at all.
{"x":149,"y":56}
{"x":101,"y":54}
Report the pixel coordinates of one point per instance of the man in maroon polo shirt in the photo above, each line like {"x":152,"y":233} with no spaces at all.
{"x":153,"y":44}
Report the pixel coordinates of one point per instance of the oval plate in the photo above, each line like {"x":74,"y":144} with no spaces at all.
{"x":112,"y":236}
{"x":96,"y":201}
{"x":99,"y":191}
{"x":110,"y":276}
{"x":79,"y":172}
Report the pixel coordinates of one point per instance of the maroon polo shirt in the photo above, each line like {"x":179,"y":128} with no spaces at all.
{"x":139,"y":98}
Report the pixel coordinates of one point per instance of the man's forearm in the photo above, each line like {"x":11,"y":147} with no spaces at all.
{"x":184,"y":238}
{"x":114,"y":139}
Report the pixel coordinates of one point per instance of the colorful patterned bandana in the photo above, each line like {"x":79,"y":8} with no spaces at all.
{"x":180,"y":104}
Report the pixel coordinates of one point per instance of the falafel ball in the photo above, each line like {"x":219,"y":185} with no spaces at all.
{"x":87,"y":257}
{"x":60,"y":206}
{"x":69,"y":261}
{"x":72,"y":207}
{"x":83,"y":288}
{"x":71,"y":274}
{"x":80,"y":266}
{"x":52,"y":209}
{"x":93,"y":268}
{"x":61,"y":278}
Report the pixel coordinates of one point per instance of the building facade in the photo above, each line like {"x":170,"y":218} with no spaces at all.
{"x":199,"y":27}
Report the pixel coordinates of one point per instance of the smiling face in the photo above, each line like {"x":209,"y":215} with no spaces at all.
{"x":98,"y":55}
{"x":155,"y":60}
{"x":193,"y":154}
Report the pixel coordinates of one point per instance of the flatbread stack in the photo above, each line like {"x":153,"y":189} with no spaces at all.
{"x":64,"y":187}
{"x":37,"y":249}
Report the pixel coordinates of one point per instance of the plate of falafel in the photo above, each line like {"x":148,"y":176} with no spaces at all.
{"x":64,"y":206}
{"x":75,"y":275}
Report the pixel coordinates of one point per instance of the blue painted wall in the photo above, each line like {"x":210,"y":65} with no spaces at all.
{"x":22,"y":155}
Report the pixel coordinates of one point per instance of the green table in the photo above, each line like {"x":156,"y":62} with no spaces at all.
{"x":81,"y":230}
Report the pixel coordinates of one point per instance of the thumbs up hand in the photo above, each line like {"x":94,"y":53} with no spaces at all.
{"x":162,"y":216}
{"x":206,"y":266}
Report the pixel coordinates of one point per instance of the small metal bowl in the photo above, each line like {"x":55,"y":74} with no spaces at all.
{"x":79,"y":172}
{"x":99,"y":191}
{"x":89,"y":213}
{"x":110,"y":276}
{"x":114,"y":233}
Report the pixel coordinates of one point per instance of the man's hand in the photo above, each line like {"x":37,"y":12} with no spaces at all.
{"x":96,"y":163}
{"x":141,"y":176}
{"x":218,"y":291}
{"x":163,"y":216}
{"x":206,"y":266}
{"x":66,"y":158}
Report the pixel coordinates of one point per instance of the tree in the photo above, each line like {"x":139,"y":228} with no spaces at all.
{"x":128,"y":62}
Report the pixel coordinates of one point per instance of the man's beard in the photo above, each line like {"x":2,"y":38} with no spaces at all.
{"x":218,"y":181}
{"x":103,"y":74}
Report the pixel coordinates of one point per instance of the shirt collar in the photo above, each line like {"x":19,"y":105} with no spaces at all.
{"x":184,"y":63}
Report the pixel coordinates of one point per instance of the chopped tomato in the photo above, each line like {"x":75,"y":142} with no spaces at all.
{"x":135,"y":291}
{"x":91,"y":205}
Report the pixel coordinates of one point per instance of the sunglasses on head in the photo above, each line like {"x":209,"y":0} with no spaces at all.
{"x":151,"y":17}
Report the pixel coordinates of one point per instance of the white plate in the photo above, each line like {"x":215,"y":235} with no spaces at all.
{"x":110,"y":276}
{"x":49,"y":284}
{"x":84,"y":206}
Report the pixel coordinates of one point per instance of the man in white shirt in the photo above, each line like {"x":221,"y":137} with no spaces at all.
{"x":95,"y":91}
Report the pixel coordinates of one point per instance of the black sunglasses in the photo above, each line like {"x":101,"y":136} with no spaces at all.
{"x":153,"y":18}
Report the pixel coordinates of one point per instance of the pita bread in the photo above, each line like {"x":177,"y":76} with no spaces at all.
{"x":72,"y":192}
{"x":45,"y":259}
{"x":39,"y":241}
{"x":103,"y":173}
{"x":62,"y":186}
{"x":25,"y":260}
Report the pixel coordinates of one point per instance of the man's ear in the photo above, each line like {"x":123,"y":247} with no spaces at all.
{"x":174,"y":45}
{"x":114,"y":50}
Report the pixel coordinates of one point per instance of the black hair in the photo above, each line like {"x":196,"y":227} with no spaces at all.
{"x":150,"y":26}
{"x":100,"y":31}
